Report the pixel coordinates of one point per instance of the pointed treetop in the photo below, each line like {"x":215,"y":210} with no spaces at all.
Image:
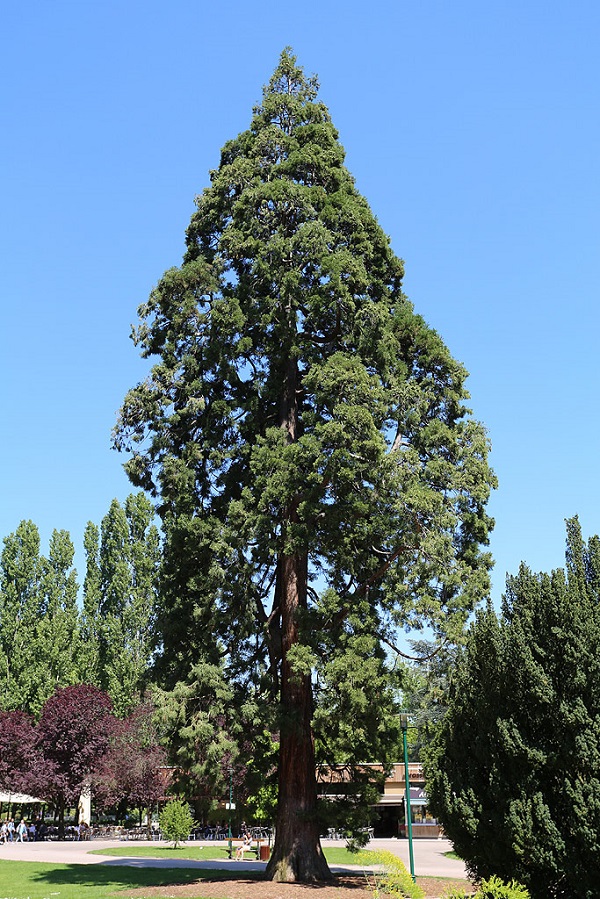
{"x":289,"y":78}
{"x":290,"y":96}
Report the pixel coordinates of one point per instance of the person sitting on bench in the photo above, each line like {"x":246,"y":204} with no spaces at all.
{"x":246,"y":845}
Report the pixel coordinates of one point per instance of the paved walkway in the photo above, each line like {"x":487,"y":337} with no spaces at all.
{"x":429,"y":855}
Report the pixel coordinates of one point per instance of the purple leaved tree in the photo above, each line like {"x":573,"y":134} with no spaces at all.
{"x":72,"y":736}
{"x":21,"y":762}
{"x":132,"y":769}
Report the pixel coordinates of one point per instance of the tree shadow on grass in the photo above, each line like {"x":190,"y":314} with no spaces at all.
{"x":119,"y":877}
{"x":46,"y":880}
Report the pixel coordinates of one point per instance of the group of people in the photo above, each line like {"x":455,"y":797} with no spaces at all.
{"x":20,"y":833}
{"x":11,"y":832}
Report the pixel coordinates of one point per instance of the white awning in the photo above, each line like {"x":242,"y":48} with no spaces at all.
{"x":391,"y":799}
{"x":418,"y":796}
{"x":19,"y":797}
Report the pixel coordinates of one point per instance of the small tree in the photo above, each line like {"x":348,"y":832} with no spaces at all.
{"x":176,"y":821}
{"x":514,"y":770}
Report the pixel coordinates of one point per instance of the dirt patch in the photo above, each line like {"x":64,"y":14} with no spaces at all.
{"x":346,"y":887}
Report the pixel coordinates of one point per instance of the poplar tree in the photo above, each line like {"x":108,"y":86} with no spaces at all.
{"x":20,"y":610}
{"x":91,"y":623}
{"x":39,"y":618}
{"x":55,"y":655}
{"x":319,"y":477}
{"x":120,"y":599}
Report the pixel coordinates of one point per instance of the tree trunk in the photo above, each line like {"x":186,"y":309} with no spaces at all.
{"x":297,"y":853}
{"x":61,"y":818}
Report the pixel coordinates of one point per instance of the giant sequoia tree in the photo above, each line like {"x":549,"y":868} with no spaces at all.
{"x":320,"y":480}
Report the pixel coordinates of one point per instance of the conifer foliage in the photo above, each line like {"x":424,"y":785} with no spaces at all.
{"x":318,"y":475}
{"x":514,"y":771}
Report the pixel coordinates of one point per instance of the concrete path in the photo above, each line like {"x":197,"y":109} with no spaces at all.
{"x":429,"y":856}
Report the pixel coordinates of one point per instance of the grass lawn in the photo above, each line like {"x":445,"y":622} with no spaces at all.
{"x":37,"y":880}
{"x":335,"y":855}
{"x":33,"y":880}
{"x":189,"y":851}
{"x":44,"y":880}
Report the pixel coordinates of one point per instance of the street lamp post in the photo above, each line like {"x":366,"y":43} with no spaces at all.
{"x":230,"y":807}
{"x":404,"y":726}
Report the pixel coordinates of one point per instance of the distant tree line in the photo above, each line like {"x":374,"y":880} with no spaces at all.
{"x":78,"y":744}
{"x":90,"y":646}
{"x":49,"y":638}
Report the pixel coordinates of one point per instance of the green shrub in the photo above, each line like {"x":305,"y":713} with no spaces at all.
{"x":494,"y":888}
{"x":512,"y":770}
{"x":176,"y":821}
{"x":391,"y":877}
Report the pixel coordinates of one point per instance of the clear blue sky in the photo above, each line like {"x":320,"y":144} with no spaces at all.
{"x":472,"y":129}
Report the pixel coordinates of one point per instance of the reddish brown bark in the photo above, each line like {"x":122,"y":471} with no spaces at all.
{"x":297,"y":854}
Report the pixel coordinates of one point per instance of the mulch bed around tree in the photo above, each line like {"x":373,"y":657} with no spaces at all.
{"x":346,"y":887}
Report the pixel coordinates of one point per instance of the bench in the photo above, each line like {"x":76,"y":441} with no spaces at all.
{"x":234,"y":844}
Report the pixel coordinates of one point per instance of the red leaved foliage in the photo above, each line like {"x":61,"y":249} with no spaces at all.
{"x":19,"y":755}
{"x":130,"y":769}
{"x":73,"y":733}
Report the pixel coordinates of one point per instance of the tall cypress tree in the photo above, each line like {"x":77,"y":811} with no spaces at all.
{"x":305,"y":433}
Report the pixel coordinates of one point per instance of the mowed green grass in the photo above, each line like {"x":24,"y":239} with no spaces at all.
{"x":189,"y":851}
{"x":37,"y":880}
{"x":335,"y":855}
{"x":44,"y":880}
